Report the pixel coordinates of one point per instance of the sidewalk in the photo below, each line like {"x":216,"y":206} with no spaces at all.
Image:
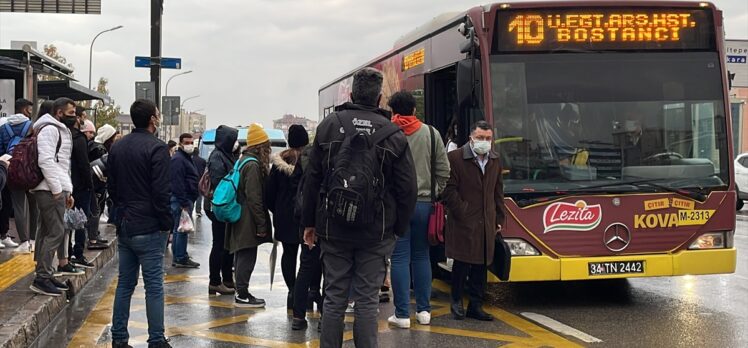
{"x":24,"y":314}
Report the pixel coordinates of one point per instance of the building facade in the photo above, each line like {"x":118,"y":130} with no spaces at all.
{"x":288,"y":120}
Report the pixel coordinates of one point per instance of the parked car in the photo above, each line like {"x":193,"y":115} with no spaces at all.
{"x":741,"y":178}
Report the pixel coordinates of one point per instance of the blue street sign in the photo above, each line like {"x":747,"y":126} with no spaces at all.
{"x":737,"y":59}
{"x":166,"y":63}
{"x":142,"y":62}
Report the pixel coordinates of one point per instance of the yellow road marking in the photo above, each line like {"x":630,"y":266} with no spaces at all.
{"x":96,"y":321}
{"x":100,"y":317}
{"x":15,"y":269}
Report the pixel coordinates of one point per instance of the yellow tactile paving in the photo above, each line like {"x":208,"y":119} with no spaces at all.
{"x":15,"y":269}
{"x":100,"y":317}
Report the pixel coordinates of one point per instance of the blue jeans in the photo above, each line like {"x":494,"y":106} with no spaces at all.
{"x":147,"y":252}
{"x":179,"y":242}
{"x":412,"y":251}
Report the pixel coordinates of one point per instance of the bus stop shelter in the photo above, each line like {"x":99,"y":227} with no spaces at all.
{"x":20,"y":70}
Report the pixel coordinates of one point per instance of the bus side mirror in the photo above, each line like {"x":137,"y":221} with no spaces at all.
{"x":469,"y":91}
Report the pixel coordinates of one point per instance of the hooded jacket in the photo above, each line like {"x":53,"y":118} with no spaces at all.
{"x":80,"y":167}
{"x":16,"y":123}
{"x":139,"y":184}
{"x":55,"y":165}
{"x":398,"y":171}
{"x":280,"y":197}
{"x":221,"y":160}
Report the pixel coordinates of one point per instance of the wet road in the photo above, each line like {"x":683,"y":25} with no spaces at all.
{"x":663,"y":312}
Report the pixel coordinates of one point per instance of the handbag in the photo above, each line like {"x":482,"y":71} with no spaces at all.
{"x":502,"y":259}
{"x":436,"y":218}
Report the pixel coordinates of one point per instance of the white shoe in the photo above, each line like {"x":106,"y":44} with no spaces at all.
{"x":9,"y":242}
{"x":2,"y":246}
{"x":423,"y":318}
{"x":24,"y":248}
{"x":32,"y":245}
{"x":399,"y":323}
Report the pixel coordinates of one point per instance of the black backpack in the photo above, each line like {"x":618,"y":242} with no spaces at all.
{"x":353,"y":190}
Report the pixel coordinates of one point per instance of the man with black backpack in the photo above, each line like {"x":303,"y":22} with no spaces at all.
{"x":16,"y":128}
{"x":359,"y":191}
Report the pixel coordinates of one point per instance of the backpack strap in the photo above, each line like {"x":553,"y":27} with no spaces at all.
{"x":433,"y":164}
{"x":383,"y":133}
{"x":240,"y":164}
{"x":59,"y":141}
{"x":348,"y":126}
{"x":25,"y":130}
{"x":8,"y":130}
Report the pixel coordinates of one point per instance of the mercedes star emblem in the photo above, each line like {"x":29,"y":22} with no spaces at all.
{"x":617,"y":237}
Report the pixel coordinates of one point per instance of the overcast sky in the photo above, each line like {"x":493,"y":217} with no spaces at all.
{"x":253,"y":60}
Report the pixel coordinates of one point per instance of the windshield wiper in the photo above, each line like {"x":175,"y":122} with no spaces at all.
{"x":694,"y":194}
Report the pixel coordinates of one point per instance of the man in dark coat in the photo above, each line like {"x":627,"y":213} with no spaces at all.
{"x":80,"y":173}
{"x":353,"y":259}
{"x":140,"y":188}
{"x":475,"y":201}
{"x":184,"y":193}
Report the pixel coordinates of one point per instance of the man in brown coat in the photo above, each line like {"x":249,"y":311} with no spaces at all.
{"x":475,"y":203}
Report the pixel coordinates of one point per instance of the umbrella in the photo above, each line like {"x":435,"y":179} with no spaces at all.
{"x":273,"y":259}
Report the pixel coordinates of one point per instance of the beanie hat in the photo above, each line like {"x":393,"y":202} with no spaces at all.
{"x":105,"y":133}
{"x":297,"y":136}
{"x":88,"y":126}
{"x":256,"y":135}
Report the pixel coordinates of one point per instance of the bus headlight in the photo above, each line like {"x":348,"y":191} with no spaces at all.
{"x":519,"y":247}
{"x":712,"y":240}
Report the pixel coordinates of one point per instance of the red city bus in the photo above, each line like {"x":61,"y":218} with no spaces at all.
{"x":610,"y":122}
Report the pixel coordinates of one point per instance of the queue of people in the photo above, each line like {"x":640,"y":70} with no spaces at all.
{"x":360,"y":195}
{"x":47,"y":170}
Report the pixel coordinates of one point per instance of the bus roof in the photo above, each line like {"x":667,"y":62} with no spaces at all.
{"x":445,"y":20}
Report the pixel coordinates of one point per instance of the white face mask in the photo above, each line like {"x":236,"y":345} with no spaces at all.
{"x":481,"y":147}
{"x":189,"y":149}
{"x":236,"y":146}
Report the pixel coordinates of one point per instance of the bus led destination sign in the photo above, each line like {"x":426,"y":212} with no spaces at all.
{"x":614,"y":29}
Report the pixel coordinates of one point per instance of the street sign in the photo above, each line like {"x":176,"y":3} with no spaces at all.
{"x":737,"y":61}
{"x":145,"y":90}
{"x":166,"y":63}
{"x":170,"y":109}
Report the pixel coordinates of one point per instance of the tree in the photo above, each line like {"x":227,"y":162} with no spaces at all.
{"x":106,"y":114}
{"x":52,"y":52}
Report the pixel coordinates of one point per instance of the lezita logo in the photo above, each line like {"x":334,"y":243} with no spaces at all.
{"x":571,"y":217}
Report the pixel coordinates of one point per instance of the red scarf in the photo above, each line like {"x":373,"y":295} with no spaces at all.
{"x":409,"y":124}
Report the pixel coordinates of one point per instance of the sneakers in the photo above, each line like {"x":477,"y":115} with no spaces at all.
{"x":59,"y":285}
{"x":402,"y":323}
{"x":350,"y":307}
{"x":162,"y":344}
{"x":82,"y":262}
{"x":69,"y":269}
{"x":45,"y":287}
{"x":8,"y":242}
{"x":24,"y":248}
{"x":98,"y":245}
{"x":246,"y":300}
{"x":423,"y":318}
{"x":188,"y":263}
{"x":384,"y":294}
{"x":120,"y":345}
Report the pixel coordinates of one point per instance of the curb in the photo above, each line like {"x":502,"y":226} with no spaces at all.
{"x":33,"y":313}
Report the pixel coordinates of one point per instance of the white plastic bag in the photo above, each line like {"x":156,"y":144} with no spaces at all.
{"x":185,"y":223}
{"x":75,"y":219}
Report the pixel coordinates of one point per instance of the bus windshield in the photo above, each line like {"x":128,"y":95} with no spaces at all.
{"x":570,"y":121}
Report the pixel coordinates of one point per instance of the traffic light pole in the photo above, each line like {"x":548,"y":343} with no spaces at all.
{"x":157,"y":9}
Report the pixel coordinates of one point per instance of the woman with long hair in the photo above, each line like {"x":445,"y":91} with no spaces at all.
{"x":253,"y":228}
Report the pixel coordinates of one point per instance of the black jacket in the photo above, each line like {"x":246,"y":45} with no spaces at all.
{"x":184,"y":179}
{"x":80,"y":167}
{"x":280,"y":197}
{"x":95,"y":150}
{"x":199,"y":163}
{"x":400,"y":184}
{"x":221,"y":160}
{"x":139,"y":184}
